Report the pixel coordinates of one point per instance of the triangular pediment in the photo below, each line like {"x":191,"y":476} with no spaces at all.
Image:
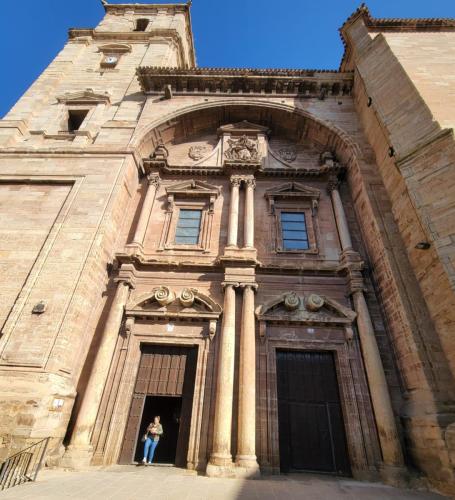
{"x":310,"y":309}
{"x":295,"y":189}
{"x":243,"y":127}
{"x":87,"y":96}
{"x":193,"y":187}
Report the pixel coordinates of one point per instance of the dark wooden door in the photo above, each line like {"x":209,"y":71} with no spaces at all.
{"x":311,"y":429}
{"x":163,"y":371}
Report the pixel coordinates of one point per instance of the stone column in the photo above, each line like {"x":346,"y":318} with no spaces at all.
{"x":382,"y":406}
{"x":246,"y":444}
{"x":234,"y":212}
{"x":220,"y":463}
{"x":340,"y":217}
{"x":248,"y":230}
{"x":153,"y":184}
{"x":80,"y":451}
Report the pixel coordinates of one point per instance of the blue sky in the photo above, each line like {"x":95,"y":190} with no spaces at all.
{"x":229,"y":33}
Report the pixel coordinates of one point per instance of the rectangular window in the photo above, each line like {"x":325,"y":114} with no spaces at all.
{"x":75,"y":118}
{"x":188,"y":226}
{"x":293,"y":231}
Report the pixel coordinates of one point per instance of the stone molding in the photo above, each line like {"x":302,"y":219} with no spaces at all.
{"x":114,"y":48}
{"x":293,"y":191}
{"x":87,"y":96}
{"x":304,"y":83}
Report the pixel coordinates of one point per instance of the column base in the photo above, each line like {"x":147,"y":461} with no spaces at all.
{"x":394,"y":475}
{"x":220,"y":466}
{"x":77,"y":457}
{"x":247,"y":466}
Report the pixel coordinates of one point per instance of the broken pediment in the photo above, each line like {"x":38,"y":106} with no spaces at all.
{"x":311,"y":309}
{"x":87,"y":96}
{"x":163,"y":302}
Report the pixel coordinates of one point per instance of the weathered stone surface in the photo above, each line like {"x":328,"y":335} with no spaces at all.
{"x":366,"y":154}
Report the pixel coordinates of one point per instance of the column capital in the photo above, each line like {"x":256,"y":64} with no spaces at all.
{"x":125,"y":281}
{"x":253,"y":286}
{"x":250,"y":181}
{"x":226,"y":284}
{"x":333,"y":184}
{"x":236,"y":180}
{"x":154,"y":179}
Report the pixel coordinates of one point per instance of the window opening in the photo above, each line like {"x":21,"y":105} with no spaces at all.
{"x":75,"y":118}
{"x":294,"y":231}
{"x":188,"y":226}
{"x":141,"y":24}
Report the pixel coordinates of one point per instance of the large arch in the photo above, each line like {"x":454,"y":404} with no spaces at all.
{"x":272,"y":114}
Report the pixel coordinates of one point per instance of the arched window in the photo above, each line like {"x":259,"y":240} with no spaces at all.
{"x":141,"y":24}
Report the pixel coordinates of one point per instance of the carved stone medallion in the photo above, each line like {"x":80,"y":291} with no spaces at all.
{"x":288,"y":154}
{"x":291,"y":301}
{"x":197,"y":152}
{"x":244,"y":148}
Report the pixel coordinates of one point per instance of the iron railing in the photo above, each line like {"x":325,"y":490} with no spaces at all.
{"x":23,"y":466}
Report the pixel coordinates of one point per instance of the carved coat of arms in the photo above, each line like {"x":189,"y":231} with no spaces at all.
{"x":244,"y":148}
{"x":288,"y":154}
{"x":197,"y":152}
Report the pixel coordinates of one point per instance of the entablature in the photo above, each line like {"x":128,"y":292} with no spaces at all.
{"x":301,"y":83}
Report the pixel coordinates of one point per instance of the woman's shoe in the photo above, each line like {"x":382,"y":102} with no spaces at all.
{"x":144,"y":461}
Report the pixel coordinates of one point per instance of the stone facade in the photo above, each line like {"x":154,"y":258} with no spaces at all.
{"x":122,"y":133}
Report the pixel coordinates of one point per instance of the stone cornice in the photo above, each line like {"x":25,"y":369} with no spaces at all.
{"x":144,"y":7}
{"x":378,"y":25}
{"x":317,"y":171}
{"x":144,"y":263}
{"x":400,"y":24}
{"x":304,"y":83}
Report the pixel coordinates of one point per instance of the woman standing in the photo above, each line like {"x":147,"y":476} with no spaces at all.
{"x":152,"y":437}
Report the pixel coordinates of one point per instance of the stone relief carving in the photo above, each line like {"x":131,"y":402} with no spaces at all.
{"x":244,"y":148}
{"x":197,"y":152}
{"x":164,"y":296}
{"x":314,"y":302}
{"x":187,"y":297}
{"x":291,"y":301}
{"x":288,"y":154}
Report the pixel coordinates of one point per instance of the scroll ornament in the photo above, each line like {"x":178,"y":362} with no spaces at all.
{"x":186,"y":297}
{"x":314,"y":302}
{"x":291,"y":301}
{"x":164,"y":296}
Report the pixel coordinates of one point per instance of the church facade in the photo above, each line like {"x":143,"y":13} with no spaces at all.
{"x":264,"y":258}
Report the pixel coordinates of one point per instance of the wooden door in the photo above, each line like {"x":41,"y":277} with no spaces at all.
{"x":163,"y":371}
{"x":311,"y":429}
